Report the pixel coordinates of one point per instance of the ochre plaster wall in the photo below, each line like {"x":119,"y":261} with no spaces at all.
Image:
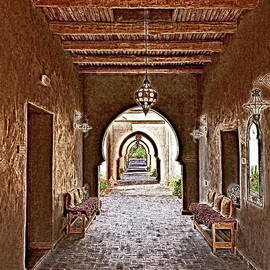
{"x":27,"y":50}
{"x":106,"y":96}
{"x":227,"y":87}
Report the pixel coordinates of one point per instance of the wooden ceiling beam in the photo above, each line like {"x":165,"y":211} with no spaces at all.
{"x":120,"y":46}
{"x":81,"y":28}
{"x":140,"y":70}
{"x":114,"y":59}
{"x":202,"y":4}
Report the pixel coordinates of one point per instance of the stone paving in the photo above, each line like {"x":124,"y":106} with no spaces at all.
{"x":140,"y":227}
{"x":136,"y":173}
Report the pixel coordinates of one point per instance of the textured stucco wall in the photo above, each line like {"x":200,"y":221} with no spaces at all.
{"x":106,"y":96}
{"x":226,"y":87}
{"x":28,"y":49}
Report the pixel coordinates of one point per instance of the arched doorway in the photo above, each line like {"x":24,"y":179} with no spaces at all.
{"x":146,"y":152}
{"x":158,"y":135}
{"x":152,"y":161}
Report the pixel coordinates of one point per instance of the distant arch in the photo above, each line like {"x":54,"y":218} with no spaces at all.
{"x":166,"y":160}
{"x":178,"y":156}
{"x":133,"y":134}
{"x":133,"y":142}
{"x":144,"y":135}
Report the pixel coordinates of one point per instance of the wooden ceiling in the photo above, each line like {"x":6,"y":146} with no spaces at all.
{"x":107,"y":36}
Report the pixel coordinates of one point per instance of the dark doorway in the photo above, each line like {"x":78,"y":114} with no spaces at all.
{"x":39,"y":184}
{"x":230,"y":159}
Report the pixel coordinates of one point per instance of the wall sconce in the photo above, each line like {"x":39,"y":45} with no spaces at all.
{"x":256,"y":104}
{"x":84,"y":126}
{"x":203,"y":129}
{"x":204,"y":123}
{"x":197,"y":134}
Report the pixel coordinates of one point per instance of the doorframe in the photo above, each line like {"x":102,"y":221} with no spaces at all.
{"x":25,"y":142}
{"x":230,"y":129}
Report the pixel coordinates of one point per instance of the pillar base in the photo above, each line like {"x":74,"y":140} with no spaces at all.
{"x":186,"y":213}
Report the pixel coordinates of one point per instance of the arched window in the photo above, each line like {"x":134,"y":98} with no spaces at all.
{"x":254,"y":168}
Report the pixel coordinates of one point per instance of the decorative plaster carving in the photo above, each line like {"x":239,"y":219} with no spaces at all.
{"x":234,"y":194}
{"x":262,"y":80}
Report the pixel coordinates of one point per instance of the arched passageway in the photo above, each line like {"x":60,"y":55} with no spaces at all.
{"x":130,"y":156}
{"x":156,"y":136}
{"x":108,"y":109}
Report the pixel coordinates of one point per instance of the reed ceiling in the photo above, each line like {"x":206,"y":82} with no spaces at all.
{"x":107,"y":36}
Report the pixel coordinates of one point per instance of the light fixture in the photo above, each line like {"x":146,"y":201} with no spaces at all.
{"x":203,"y":128}
{"x":146,"y":96}
{"x":84,"y":126}
{"x":204,"y":123}
{"x":197,"y":134}
{"x":256,"y":104}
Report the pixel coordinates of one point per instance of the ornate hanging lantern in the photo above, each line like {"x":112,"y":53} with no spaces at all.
{"x":146,"y":97}
{"x":256,"y":104}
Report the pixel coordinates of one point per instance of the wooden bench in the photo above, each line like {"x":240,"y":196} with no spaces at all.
{"x":80,"y":210}
{"x":217,"y":215}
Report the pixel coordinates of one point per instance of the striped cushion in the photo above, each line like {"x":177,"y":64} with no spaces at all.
{"x":210,"y":197}
{"x":226,"y":205}
{"x":77,"y":197}
{"x":70,"y":199}
{"x":217,"y":202}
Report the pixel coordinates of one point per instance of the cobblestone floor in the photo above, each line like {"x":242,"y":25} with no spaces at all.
{"x":140,"y":227}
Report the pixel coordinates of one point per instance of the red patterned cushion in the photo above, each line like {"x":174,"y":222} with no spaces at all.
{"x":197,"y":207}
{"x":87,"y":207}
{"x":208,"y":216}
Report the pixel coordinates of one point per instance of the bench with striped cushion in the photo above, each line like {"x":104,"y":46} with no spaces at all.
{"x":79,"y":209}
{"x":217,"y":215}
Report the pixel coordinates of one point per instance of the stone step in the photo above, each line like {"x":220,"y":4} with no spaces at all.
{"x":137,"y":164}
{"x":135,"y":167}
{"x":136,"y":173}
{"x":137,"y":177}
{"x":137,"y":182}
{"x":137,"y":159}
{"x":142,"y":167}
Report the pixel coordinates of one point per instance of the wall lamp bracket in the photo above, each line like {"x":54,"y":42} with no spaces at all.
{"x":197,"y":134}
{"x":202,"y":130}
{"x":81,"y":125}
